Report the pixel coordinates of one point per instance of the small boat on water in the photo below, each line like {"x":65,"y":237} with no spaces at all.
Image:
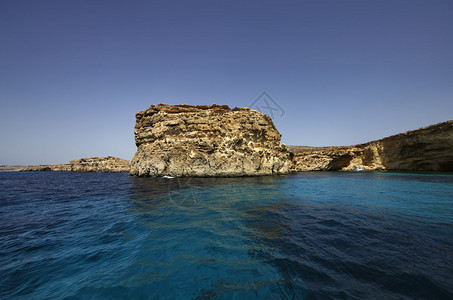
{"x":357,"y":169}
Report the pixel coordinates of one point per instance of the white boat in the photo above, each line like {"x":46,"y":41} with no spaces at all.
{"x":357,"y":169}
{"x":168,"y":177}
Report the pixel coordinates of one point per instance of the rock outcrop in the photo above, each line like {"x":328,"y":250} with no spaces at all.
{"x":89,"y":164}
{"x":41,"y":168}
{"x":100,"y":164}
{"x":425,"y":149}
{"x":185,"y":140}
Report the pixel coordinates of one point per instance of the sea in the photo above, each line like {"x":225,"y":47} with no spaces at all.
{"x":320,"y":235}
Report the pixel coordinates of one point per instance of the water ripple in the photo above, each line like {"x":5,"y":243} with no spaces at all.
{"x":311,"y":235}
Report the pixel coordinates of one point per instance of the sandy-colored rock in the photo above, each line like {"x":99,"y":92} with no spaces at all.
{"x":100,"y":164}
{"x":425,"y":149}
{"x":185,"y":140}
{"x":52,"y":167}
{"x":7,"y":168}
{"x":89,"y":164}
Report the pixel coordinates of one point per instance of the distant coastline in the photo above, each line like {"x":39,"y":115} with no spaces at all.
{"x":6,"y":168}
{"x":428,"y":148}
{"x":216,"y":141}
{"x":107,"y":164}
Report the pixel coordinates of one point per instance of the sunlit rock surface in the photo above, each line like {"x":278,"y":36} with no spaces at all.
{"x":89,"y":164}
{"x":425,"y":149}
{"x":185,"y":140}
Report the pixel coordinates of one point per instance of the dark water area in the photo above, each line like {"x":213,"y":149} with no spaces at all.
{"x":325,"y":235}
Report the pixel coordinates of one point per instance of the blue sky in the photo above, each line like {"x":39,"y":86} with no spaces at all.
{"x":74,"y":73}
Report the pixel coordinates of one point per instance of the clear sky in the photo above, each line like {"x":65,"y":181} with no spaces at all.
{"x":74,"y":73}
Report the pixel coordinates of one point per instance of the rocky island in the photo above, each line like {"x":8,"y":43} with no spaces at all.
{"x":89,"y":164}
{"x":425,"y":149}
{"x":185,"y":140}
{"x":215,"y":140}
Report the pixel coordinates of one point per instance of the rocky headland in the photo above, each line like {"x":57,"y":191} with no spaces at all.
{"x":89,"y":164}
{"x":205,"y":141}
{"x":426,"y":149}
{"x":217,"y":141}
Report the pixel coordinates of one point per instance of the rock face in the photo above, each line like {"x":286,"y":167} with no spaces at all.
{"x":184,"y":140}
{"x":89,"y":164}
{"x":425,"y":149}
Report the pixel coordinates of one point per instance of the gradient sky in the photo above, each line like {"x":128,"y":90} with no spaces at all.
{"x":74,"y":73}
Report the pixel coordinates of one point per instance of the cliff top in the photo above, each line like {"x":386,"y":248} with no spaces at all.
{"x":421,"y":131}
{"x":96,"y":158}
{"x":186,"y":108}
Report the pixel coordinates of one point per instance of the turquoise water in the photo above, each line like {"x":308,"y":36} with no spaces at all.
{"x":309,"y":235}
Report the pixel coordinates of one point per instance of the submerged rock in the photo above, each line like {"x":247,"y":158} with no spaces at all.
{"x":185,"y":140}
{"x":425,"y":149}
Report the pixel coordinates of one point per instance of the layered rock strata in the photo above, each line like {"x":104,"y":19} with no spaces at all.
{"x":185,"y":140}
{"x":425,"y":149}
{"x":89,"y":164}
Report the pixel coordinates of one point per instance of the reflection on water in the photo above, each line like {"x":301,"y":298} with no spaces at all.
{"x":311,"y":235}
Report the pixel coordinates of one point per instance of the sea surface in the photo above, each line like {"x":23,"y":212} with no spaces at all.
{"x":330,"y":235}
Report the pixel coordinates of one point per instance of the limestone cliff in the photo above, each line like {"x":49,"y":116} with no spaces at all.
{"x":425,"y":149}
{"x":184,"y":140}
{"x":89,"y":164}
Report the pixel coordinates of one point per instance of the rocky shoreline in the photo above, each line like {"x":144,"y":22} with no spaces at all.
{"x":218,"y":141}
{"x":6,"y":168}
{"x":426,"y":149}
{"x":89,"y":164}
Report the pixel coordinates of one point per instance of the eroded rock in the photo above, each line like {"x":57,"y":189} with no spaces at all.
{"x":89,"y":164}
{"x":185,"y":140}
{"x":425,"y":149}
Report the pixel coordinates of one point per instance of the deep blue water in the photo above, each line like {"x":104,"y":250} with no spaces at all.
{"x":309,"y":235}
